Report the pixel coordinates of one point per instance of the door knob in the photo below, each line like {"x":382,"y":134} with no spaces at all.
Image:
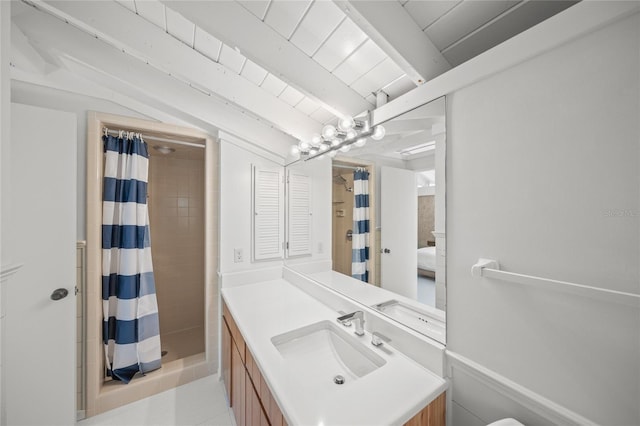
{"x":59,"y":293}
{"x":387,"y":250}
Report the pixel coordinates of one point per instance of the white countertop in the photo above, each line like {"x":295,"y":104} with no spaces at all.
{"x":390,"y":395}
{"x":367,"y":294}
{"x":370,"y":295}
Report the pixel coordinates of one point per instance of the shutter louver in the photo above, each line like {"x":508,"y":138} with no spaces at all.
{"x":299,"y":223}
{"x":267,"y":228}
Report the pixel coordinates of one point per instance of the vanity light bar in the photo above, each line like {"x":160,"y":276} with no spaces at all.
{"x":332,"y":139}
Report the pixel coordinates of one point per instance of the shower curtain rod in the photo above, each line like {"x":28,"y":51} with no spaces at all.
{"x":156,"y":138}
{"x":339,"y":166}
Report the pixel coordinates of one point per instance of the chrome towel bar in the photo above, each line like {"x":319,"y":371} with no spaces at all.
{"x":490,"y":268}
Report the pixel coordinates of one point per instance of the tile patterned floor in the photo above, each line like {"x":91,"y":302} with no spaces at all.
{"x":199,"y":403}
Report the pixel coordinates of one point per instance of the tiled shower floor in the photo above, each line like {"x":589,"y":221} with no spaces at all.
{"x":182,"y":344}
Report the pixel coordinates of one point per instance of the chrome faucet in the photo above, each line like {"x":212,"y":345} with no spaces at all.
{"x":377,"y":339}
{"x":358,"y":316}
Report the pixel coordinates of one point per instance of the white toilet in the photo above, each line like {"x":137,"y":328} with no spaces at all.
{"x":506,"y":422}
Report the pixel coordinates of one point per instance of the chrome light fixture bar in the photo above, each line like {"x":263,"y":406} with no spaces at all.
{"x":332,"y":139}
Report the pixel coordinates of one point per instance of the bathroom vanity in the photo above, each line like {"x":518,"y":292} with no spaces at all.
{"x":286,"y":360}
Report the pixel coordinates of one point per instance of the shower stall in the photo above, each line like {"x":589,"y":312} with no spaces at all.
{"x":342,"y":223}
{"x":182,"y":197}
{"x":343,"y":204}
{"x":176,"y":216}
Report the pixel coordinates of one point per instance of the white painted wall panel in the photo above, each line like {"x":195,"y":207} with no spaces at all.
{"x":539,"y":156}
{"x":236,"y":206}
{"x":5,"y":127}
{"x":56,"y":99}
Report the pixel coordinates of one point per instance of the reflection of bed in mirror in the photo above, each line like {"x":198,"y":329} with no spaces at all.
{"x":427,"y":261}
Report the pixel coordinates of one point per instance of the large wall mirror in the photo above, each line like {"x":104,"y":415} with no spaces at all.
{"x":404,"y":177}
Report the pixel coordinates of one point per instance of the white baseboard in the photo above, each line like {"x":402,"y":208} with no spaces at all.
{"x":489,"y":396}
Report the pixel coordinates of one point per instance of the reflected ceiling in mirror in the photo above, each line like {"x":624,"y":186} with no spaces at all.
{"x":408,"y":137}
{"x":406,"y":262}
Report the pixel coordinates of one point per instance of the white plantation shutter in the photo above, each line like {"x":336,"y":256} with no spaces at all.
{"x":299,"y":217}
{"x":268,"y":233}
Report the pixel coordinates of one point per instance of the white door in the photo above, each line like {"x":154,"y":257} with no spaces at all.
{"x":399,"y":231}
{"x":39,"y":364}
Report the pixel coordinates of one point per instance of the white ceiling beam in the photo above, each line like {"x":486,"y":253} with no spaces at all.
{"x":146,"y":41}
{"x":389,"y":25}
{"x":411,"y":125}
{"x":389,"y":145}
{"x":199,"y":110}
{"x":388,"y":148}
{"x":567,"y":25}
{"x":235,"y":26}
{"x":63,"y":80}
{"x":23,"y":55}
{"x":125,"y":74}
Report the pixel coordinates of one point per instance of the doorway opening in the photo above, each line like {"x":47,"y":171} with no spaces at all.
{"x":183,"y":214}
{"x":343,"y":203}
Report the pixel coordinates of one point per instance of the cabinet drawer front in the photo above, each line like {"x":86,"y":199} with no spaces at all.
{"x":235,"y":332}
{"x":251,"y":398}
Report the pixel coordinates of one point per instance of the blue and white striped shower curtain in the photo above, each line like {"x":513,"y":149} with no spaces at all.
{"x":360,"y":240}
{"x":131,"y":332}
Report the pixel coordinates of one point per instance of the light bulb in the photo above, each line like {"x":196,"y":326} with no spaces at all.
{"x":316,"y":139}
{"x":164,"y":149}
{"x":346,"y":123}
{"x":378,"y":132}
{"x":360,"y":142}
{"x":352,"y":134}
{"x":335,"y":142}
{"x":331,"y":154}
{"x":329,"y":131}
{"x":323,"y":147}
{"x":313,"y":151}
{"x":295,"y":150}
{"x":304,"y":146}
{"x":345,"y":148}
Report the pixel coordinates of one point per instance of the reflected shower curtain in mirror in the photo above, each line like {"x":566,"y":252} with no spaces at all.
{"x":131,"y":332}
{"x":360,"y":241}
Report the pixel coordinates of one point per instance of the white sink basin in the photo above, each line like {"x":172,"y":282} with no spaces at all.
{"x":413,"y":317}
{"x":320,"y":352}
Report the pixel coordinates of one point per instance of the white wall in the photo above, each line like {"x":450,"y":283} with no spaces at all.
{"x":30,"y":94}
{"x":539,"y":157}
{"x":380,"y":163}
{"x":5,"y":107}
{"x":235,"y":206}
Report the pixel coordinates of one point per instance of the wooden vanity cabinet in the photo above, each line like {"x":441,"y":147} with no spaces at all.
{"x":249,"y":396}
{"x":226,"y":359}
{"x":431,"y":415}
